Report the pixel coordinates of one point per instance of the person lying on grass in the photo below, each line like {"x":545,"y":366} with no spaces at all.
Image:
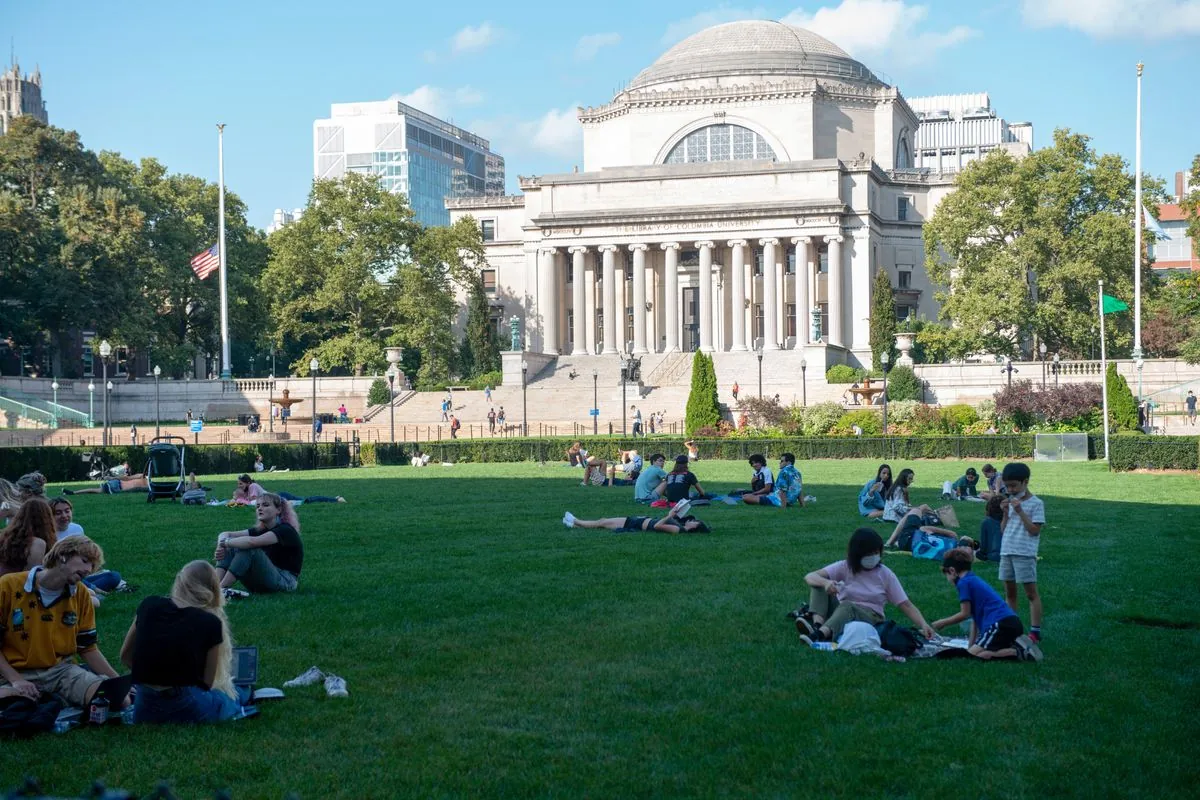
{"x":677,"y":520}
{"x":249,"y":491}
{"x":24,"y":543}
{"x":267,"y":557}
{"x":788,"y":489}
{"x":921,"y":518}
{"x":47,"y":622}
{"x":854,"y":589}
{"x":996,"y":630}
{"x":871,"y":498}
{"x":181,"y":654}
{"x":133,"y":483}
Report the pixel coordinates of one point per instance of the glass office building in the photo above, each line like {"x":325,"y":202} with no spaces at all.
{"x":409,"y":152}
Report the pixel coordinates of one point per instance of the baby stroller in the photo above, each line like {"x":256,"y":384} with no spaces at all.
{"x":165,"y":470}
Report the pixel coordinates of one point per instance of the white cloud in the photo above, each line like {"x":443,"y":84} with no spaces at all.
{"x":681,"y":29}
{"x":590,"y":45}
{"x":473,"y":38}
{"x":467,"y":96}
{"x":880,"y":29}
{"x":1111,"y":19}
{"x":556,"y":134}
{"x":440,"y":102}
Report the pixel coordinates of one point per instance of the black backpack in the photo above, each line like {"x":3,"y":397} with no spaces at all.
{"x":898,"y":640}
{"x":21,"y":716}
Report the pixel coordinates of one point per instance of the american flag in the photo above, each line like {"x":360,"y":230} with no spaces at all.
{"x":206,"y":262}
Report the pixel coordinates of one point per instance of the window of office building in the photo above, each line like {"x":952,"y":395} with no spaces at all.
{"x":904,"y":276}
{"x":489,"y":281}
{"x":789,"y":319}
{"x":487,"y":229}
{"x":902,"y":208}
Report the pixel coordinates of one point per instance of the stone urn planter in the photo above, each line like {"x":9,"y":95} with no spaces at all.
{"x":904,"y":343}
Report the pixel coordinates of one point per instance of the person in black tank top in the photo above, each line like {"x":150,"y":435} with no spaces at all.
{"x":668,"y":524}
{"x":180,"y":652}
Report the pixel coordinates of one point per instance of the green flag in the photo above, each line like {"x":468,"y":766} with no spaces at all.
{"x":1112,"y":305}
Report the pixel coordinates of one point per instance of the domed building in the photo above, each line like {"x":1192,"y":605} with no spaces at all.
{"x":740,"y":193}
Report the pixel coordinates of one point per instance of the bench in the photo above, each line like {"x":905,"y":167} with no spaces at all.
{"x":458,"y":388}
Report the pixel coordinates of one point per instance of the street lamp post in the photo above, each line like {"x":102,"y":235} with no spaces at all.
{"x":54,"y":387}
{"x":524,"y":398}
{"x":108,"y":387}
{"x":884,"y":358}
{"x":1055,"y":368}
{"x":804,"y":382}
{"x":624,"y":374}
{"x":1009,"y":368}
{"x":1042,"y":350}
{"x":105,"y":352}
{"x":313,"y":366}
{"x":91,"y":404}
{"x":391,"y":376}
{"x":157,"y":407}
{"x":595,"y":402}
{"x":759,"y":351}
{"x":270,"y":390}
{"x":1141,"y":362}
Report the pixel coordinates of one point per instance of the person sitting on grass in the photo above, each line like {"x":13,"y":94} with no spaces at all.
{"x":680,"y":482}
{"x":693,"y":450}
{"x":576,"y":454}
{"x":788,"y":489}
{"x":64,"y":518}
{"x":595,"y":470}
{"x":964,"y":487}
{"x":897,"y":502}
{"x":27,"y":539}
{"x":990,"y":533}
{"x":100,"y":582}
{"x":247,"y":492}
{"x":630,"y":464}
{"x":420,"y":459}
{"x":854,"y":589}
{"x":267,"y":557}
{"x":996,"y":630}
{"x":674,"y":522}
{"x":871,"y":498}
{"x":45,"y":622}
{"x":181,"y":653}
{"x":995,"y":486}
{"x":647,"y":488}
{"x":762,"y":482}
{"x":133,"y":483}
{"x":259,"y":466}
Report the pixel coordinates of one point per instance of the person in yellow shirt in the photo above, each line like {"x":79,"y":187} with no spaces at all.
{"x":46,"y":620}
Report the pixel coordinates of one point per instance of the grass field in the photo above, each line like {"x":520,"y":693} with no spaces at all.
{"x":490,"y":651}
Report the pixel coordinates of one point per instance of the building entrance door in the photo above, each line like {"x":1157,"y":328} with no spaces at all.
{"x":691,"y":319}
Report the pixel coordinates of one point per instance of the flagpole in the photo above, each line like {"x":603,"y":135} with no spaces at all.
{"x":226,"y":373}
{"x":1103,"y":366}
{"x":1137,"y":223}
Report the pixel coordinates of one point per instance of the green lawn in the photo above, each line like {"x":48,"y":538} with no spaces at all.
{"x":490,"y":651}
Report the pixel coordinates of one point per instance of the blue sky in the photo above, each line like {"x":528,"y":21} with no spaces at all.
{"x":153,"y":78}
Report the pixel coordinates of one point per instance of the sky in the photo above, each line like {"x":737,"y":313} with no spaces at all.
{"x":154,"y":78}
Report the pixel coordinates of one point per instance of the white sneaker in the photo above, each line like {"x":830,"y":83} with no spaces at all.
{"x":569,"y":519}
{"x":306,"y":678}
{"x":235,"y":594}
{"x":335,"y":686}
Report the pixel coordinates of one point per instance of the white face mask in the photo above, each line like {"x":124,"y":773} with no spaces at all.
{"x":871,"y":562}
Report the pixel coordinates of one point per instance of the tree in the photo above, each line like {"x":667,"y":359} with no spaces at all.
{"x":1122,"y":407}
{"x":703,"y":406}
{"x":883,"y":319}
{"x":903,"y":384}
{"x":480,"y":348}
{"x":1190,"y":203}
{"x":1020,"y":244}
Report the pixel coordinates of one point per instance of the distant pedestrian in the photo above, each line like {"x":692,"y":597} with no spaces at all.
{"x":491,"y":418}
{"x":501,"y":419}
{"x":736,"y":389}
{"x":487,"y":393}
{"x":189,"y":417}
{"x":446,"y":410}
{"x":133,"y":435}
{"x":454,"y":426}
{"x":1190,"y":400}
{"x":637,"y":421}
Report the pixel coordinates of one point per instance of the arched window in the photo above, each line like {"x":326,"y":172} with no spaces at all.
{"x":721,"y":143}
{"x":903,"y":156}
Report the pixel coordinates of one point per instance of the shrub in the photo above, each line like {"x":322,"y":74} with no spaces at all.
{"x":986,"y":409}
{"x":1016,"y":405}
{"x":1138,"y":451}
{"x":926,"y":420}
{"x":1122,"y":408}
{"x":378,"y":394}
{"x":900,"y":415}
{"x":703,"y":407}
{"x":903,"y":384}
{"x":763,"y":412}
{"x":883,"y":319}
{"x":819,"y":419}
{"x":871,"y":423}
{"x":957,"y":417}
{"x":842,"y":373}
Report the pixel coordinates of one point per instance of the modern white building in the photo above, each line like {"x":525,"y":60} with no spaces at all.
{"x":957,"y":129}
{"x":20,"y":95}
{"x":742,"y":190}
{"x":282,"y":218}
{"x":411,"y":153}
{"x":1174,"y":251}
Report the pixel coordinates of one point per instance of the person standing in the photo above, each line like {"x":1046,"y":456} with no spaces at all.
{"x":1190,"y":402}
{"x":736,"y":389}
{"x":454,"y":426}
{"x":501,"y":419}
{"x":133,"y":435}
{"x":446,"y":410}
{"x":491,"y":418}
{"x":637,"y":421}
{"x":487,"y":393}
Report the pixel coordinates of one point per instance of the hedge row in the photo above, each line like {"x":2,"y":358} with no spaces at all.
{"x":60,"y":464}
{"x":1136,"y":451}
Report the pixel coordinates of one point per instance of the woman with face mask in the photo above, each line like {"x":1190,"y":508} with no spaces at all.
{"x":855,"y":589}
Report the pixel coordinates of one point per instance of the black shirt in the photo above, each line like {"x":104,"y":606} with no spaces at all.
{"x":288,"y":553}
{"x":172,"y":643}
{"x":679,"y":485}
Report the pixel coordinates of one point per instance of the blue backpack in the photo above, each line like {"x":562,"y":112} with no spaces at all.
{"x":931,"y":545}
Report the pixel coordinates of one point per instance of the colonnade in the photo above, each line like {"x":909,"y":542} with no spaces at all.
{"x":808,"y":287}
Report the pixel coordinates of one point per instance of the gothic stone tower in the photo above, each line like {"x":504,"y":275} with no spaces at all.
{"x":20,"y":95}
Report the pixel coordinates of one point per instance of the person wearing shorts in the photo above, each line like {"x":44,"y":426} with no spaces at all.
{"x":996,"y":630}
{"x":1024,"y":518}
{"x":1190,"y":401}
{"x":671,"y":523}
{"x":114,"y":486}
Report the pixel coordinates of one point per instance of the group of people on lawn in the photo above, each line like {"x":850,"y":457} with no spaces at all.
{"x":178,"y":648}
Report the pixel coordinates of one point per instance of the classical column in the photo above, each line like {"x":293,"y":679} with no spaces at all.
{"x":770,"y":296}
{"x":835,"y":290}
{"x":610,"y":299}
{"x":671,"y":300}
{"x":548,"y":300}
{"x":639,"y":297}
{"x":578,"y":304}
{"x":706,"y":296}
{"x":737,"y":302}
{"x":803,"y":311}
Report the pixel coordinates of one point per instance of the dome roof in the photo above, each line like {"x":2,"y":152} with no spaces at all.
{"x":752,"y":47}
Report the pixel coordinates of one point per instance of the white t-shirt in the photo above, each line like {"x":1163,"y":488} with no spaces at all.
{"x":1017,"y":541}
{"x":764,"y":474}
{"x":74,"y":529}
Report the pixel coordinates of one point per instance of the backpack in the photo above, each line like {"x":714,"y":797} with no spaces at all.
{"x":931,"y":545}
{"x":194,"y":497}
{"x":20,"y":716}
{"x":897,"y":639}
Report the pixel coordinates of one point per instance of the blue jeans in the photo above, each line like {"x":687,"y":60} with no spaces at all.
{"x":104,"y":581}
{"x":186,"y":704}
{"x":316,"y":498}
{"x":869,"y":503}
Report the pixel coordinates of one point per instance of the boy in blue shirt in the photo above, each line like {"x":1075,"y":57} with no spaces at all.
{"x":996,"y":630}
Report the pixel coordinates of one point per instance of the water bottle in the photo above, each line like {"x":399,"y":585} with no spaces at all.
{"x":830,"y":646}
{"x":62,"y":726}
{"x":127,"y":716}
{"x":98,"y":709}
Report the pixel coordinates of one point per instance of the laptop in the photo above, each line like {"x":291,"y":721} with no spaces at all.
{"x":245,"y":676}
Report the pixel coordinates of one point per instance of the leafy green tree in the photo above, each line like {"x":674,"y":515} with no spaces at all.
{"x":480,"y":348}
{"x":379,"y":393}
{"x":883,"y":319}
{"x":903,"y":384}
{"x":703,"y":405}
{"x":1122,"y":407}
{"x":1019,"y":246}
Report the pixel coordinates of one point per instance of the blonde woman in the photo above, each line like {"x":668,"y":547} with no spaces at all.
{"x":267,"y":557}
{"x":181,"y":654}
